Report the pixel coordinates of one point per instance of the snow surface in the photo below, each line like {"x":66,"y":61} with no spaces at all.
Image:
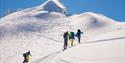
{"x":40,"y":31}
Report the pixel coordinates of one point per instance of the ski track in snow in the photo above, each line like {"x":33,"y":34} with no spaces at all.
{"x":110,"y":39}
{"x":54,"y":54}
{"x":46,"y":58}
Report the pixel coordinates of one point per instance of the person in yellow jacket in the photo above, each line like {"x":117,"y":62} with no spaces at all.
{"x":26,"y":57}
{"x":71,"y":38}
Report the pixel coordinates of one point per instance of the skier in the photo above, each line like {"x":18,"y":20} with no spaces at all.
{"x":26,"y":57}
{"x":65,"y":36}
{"x":78,"y":35}
{"x":71,"y":37}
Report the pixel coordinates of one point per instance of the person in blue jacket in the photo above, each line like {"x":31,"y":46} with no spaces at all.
{"x":78,"y":35}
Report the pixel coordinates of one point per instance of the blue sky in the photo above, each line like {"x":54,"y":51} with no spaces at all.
{"x":114,"y":9}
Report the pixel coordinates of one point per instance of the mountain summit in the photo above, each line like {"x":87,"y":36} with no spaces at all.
{"x":53,"y":6}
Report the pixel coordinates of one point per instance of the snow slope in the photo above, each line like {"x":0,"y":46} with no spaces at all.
{"x":110,"y":50}
{"x":40,"y":30}
{"x":92,"y":23}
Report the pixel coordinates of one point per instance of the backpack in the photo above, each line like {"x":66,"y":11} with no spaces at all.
{"x":71,"y":35}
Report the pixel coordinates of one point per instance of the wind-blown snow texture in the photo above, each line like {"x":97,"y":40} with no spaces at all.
{"x":40,"y":30}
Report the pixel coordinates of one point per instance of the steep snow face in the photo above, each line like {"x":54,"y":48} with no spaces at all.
{"x":50,"y":6}
{"x":27,"y":23}
{"x":36,"y":19}
{"x":54,"y":6}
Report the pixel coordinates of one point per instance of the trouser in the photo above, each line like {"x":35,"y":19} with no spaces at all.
{"x":79,"y":39}
{"x":71,"y":40}
{"x":65,"y":43}
{"x":65,"y":46}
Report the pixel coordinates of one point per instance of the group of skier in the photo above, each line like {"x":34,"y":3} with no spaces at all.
{"x":70,"y":36}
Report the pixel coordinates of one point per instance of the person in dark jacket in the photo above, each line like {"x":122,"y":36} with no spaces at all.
{"x":78,"y":35}
{"x":65,"y":36}
{"x":26,"y":57}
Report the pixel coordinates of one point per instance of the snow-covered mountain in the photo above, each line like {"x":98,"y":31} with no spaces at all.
{"x":94,"y":24}
{"x":40,"y":30}
{"x":50,"y":6}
